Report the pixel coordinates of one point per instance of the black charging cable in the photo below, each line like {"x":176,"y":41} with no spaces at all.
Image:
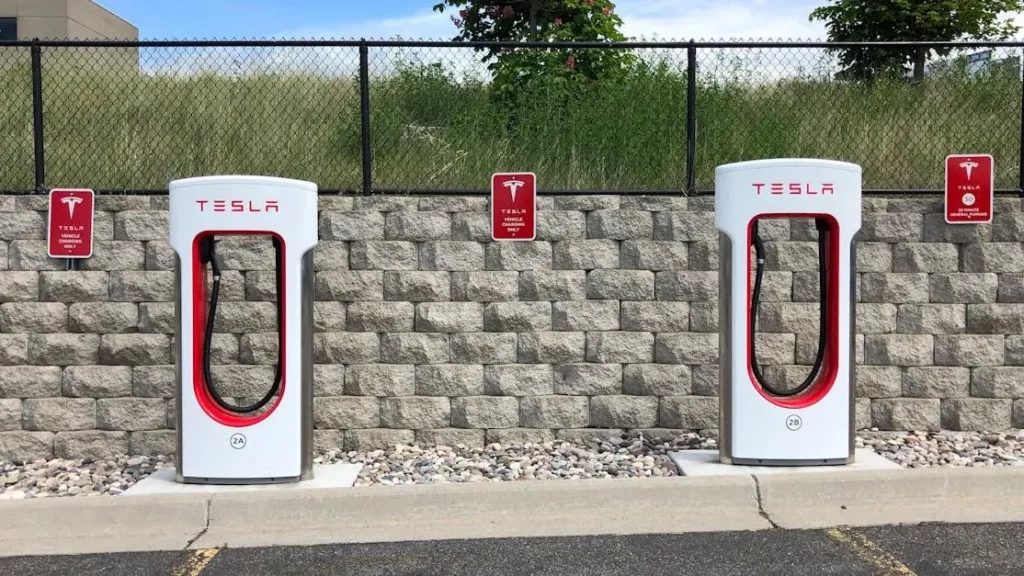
{"x":755,"y":303}
{"x":208,"y":255}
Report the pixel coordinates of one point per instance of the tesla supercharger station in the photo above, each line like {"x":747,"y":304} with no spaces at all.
{"x":220,"y":441}
{"x":810,"y":422}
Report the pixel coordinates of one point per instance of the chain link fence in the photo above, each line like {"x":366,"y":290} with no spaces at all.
{"x":379,"y":116}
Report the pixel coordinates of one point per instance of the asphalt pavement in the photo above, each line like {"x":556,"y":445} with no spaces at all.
{"x":929,"y":549}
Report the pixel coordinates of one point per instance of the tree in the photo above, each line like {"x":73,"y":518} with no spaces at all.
{"x":542,"y":21}
{"x":909,"y":20}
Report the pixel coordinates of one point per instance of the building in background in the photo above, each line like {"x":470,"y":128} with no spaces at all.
{"x":61,"y":20}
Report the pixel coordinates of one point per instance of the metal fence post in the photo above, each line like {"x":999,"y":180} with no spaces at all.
{"x":364,"y":105}
{"x":691,"y":117}
{"x":1020,"y":141}
{"x":37,"y":116}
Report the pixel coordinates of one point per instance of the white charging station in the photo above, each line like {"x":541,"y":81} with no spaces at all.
{"x":764,"y":423}
{"x":270,"y":441}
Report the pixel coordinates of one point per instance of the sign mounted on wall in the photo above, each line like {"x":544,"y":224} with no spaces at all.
{"x":514,"y":206}
{"x":970,"y":188}
{"x":69,"y":229}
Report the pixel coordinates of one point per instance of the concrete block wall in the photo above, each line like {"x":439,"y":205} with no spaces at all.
{"x":428,"y":331}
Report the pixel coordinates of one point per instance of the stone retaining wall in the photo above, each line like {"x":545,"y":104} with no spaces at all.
{"x":427,"y":331}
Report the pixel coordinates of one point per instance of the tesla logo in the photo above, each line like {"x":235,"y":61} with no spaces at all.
{"x":969,"y":166}
{"x":794,"y":189}
{"x":513,"y":187}
{"x":71,"y":202}
{"x":238,"y":205}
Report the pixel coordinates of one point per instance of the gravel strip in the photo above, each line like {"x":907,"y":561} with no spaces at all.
{"x":629,"y":457}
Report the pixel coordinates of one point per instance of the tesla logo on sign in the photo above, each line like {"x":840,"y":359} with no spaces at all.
{"x":70,"y":223}
{"x":238,"y":205}
{"x":795,"y":188}
{"x":970,"y":186}
{"x":514,"y":206}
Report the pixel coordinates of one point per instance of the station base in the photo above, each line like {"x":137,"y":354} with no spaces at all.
{"x":324,"y":476}
{"x":705,"y":463}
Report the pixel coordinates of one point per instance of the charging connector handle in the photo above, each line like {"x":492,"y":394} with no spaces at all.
{"x":823,"y":230}
{"x":208,"y":255}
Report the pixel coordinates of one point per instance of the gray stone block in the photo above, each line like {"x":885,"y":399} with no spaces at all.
{"x":937,"y":382}
{"x":686,"y":348}
{"x":68,"y":286}
{"x":620,"y":224}
{"x":620,"y":347}
{"x":688,"y":412}
{"x":586,"y":255}
{"x":894,"y":288}
{"x":449,"y":380}
{"x":620,"y":285}
{"x":417,"y":286}
{"x":415,"y":412}
{"x":931,"y":318}
{"x":24,"y":287}
{"x":346,"y":412}
{"x":485,"y":286}
{"x":130,"y":414}
{"x":450,"y":317}
{"x":995,"y":318}
{"x":969,"y":350}
{"x":517,"y":316}
{"x":552,"y":347}
{"x":687,"y":286}
{"x":585,"y":316}
{"x":485,"y":412}
{"x":976,"y":414}
{"x":349,"y":285}
{"x":451,"y":437}
{"x":377,"y":316}
{"x":906,"y":414}
{"x":655,"y":316}
{"x":899,"y":349}
{"x":451,"y":256}
{"x":519,"y":380}
{"x":997,"y":257}
{"x":417,"y":226}
{"x":484,"y":348}
{"x":90,"y":444}
{"x":656,"y":380}
{"x":975,"y":288}
{"x":997,"y":382}
{"x":97,"y":381}
{"x":656,"y":255}
{"x":414,"y":348}
{"x":624,"y":411}
{"x":380,"y":380}
{"x":536,"y":255}
{"x":587,"y":379}
{"x":383,"y":255}
{"x":352,"y":225}
{"x":347,"y":348}
{"x":553,"y":285}
{"x":555,"y":412}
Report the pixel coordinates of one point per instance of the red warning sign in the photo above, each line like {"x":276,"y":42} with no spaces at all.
{"x":970,"y":187}
{"x":70,"y":223}
{"x":514,"y":206}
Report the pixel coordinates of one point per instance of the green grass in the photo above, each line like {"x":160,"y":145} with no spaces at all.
{"x":115,"y":128}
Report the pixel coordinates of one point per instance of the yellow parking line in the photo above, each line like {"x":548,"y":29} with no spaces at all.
{"x":196,"y":562}
{"x":870,"y":552}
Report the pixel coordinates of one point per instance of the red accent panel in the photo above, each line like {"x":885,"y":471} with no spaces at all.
{"x":829,"y":366}
{"x":199,"y":308}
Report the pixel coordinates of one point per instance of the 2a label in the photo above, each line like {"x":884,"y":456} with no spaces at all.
{"x":237,"y":441}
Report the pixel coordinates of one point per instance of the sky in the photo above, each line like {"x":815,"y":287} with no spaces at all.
{"x":414,"y":19}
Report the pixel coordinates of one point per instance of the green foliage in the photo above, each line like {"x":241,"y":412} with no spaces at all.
{"x":909,"y":20}
{"x":518,"y":72}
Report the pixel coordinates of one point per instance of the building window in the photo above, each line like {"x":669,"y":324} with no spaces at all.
{"x":8,"y":29}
